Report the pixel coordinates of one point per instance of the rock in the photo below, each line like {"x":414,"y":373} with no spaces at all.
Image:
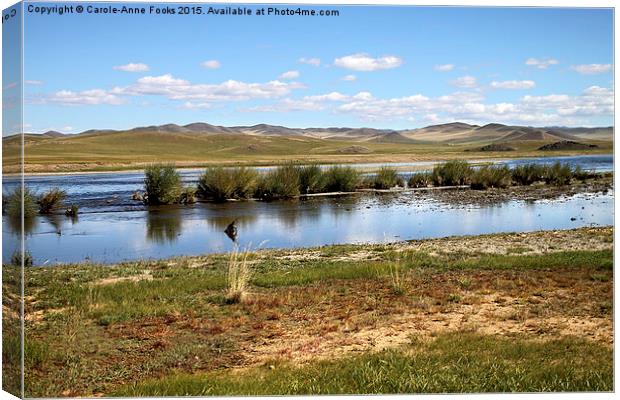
{"x":137,"y":196}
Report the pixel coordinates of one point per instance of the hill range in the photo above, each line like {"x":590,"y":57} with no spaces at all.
{"x":201,"y":143}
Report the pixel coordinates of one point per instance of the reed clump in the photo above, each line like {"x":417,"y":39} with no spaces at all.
{"x":491,"y":176}
{"x":18,"y":196}
{"x":385,"y":178}
{"x":280,"y":183}
{"x":162,"y":183}
{"x":420,"y":180}
{"x":341,"y":179}
{"x":51,"y":200}
{"x":311,"y":179}
{"x":452,"y":173}
{"x":220,"y":183}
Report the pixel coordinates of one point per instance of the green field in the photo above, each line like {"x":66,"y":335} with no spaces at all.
{"x":443,"y":315}
{"x":132,"y":150}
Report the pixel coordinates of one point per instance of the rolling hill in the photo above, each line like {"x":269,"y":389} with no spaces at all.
{"x":201,"y":143}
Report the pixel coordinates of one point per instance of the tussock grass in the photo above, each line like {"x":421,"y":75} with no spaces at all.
{"x":280,"y":183}
{"x":385,"y":178}
{"x":51,"y":200}
{"x":341,"y":179}
{"x":221,"y":183}
{"x":491,"y":176}
{"x":18,"y":196}
{"x":451,"y":363}
{"x":311,"y":179}
{"x":238,"y":276}
{"x":452,"y":173}
{"x":162,"y":183}
{"x":420,"y":180}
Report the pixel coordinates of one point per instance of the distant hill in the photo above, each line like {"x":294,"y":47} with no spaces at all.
{"x":450,"y":133}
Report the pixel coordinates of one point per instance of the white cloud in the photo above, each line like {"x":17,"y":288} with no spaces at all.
{"x":87,"y":97}
{"x":195,"y":106}
{"x":231,"y":90}
{"x":541,"y":63}
{"x":211,"y":64}
{"x":466,"y":106}
{"x":513,"y":84}
{"x":310,"y":61}
{"x":364,"y":62}
{"x":444,"y":67}
{"x":289,"y":75}
{"x":465,"y":82}
{"x":132,"y":67}
{"x":349,"y":78}
{"x":33,"y":82}
{"x":590,"y":69}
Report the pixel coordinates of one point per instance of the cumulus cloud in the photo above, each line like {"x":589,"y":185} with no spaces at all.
{"x":465,"y":82}
{"x":193,"y":95}
{"x":541,"y":63}
{"x":211,"y":64}
{"x":132,"y":67}
{"x":86,"y":97}
{"x":349,"y":78}
{"x":230,"y":90}
{"x":364,"y":62}
{"x":310,"y":61}
{"x":33,"y":82}
{"x":289,"y":75}
{"x":513,"y":84}
{"x":444,"y":67}
{"x":589,"y":69}
{"x":467,"y":106}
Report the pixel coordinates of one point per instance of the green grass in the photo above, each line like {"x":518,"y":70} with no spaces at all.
{"x":18,"y":197}
{"x":174,"y":289}
{"x":451,"y":363}
{"x":491,"y":176}
{"x":341,"y":179}
{"x":385,"y":178}
{"x":220,"y":183}
{"x":280,"y":183}
{"x":162,"y":183}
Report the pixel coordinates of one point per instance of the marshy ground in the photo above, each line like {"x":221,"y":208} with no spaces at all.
{"x":504,"y":312}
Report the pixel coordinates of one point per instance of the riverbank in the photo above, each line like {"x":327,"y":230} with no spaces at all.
{"x":540,"y":300}
{"x":60,"y":166}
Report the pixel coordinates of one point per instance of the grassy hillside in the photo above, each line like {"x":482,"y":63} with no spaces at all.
{"x":128,"y":150}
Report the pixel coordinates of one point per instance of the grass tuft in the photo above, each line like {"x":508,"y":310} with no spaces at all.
{"x":491,"y":176}
{"x":452,"y":173}
{"x":20,"y":196}
{"x":162,"y":183}
{"x":238,"y":276}
{"x":51,"y":200}
{"x":341,"y":179}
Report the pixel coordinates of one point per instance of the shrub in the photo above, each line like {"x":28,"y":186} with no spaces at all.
{"x":341,"y":179}
{"x":162,"y":183}
{"x":452,"y":173}
{"x":281,"y":182}
{"x":420,"y":180}
{"x":16,"y":198}
{"x":386,"y":178}
{"x":528,"y":174}
{"x":226,"y":183}
{"x":491,"y":176}
{"x":311,"y":179}
{"x":51,"y":200}
{"x":582,"y":175}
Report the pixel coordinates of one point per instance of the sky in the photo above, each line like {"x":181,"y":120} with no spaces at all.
{"x":385,"y":67}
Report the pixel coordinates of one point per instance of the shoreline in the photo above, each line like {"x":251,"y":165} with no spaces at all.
{"x":479,"y":159}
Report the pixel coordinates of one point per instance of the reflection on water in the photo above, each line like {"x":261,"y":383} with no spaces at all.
{"x":163,"y":225}
{"x":111,"y":227}
{"x":199,"y":229}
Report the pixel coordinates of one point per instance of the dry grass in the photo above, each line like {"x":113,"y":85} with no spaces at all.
{"x":238,"y":276}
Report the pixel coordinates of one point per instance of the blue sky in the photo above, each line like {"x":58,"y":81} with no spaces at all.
{"x":386,"y":67}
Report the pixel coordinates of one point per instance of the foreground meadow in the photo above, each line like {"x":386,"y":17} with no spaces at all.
{"x":507,"y":312}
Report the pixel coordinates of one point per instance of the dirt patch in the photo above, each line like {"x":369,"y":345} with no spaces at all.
{"x":133,"y":278}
